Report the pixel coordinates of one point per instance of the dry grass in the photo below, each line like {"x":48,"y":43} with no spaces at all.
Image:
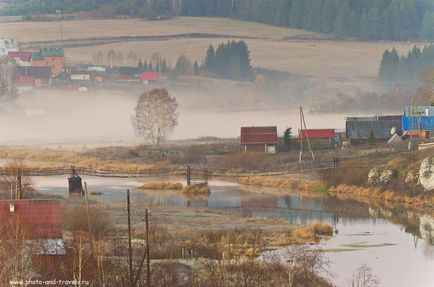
{"x":418,"y":200}
{"x":44,"y":31}
{"x":312,"y":57}
{"x":201,"y":188}
{"x":43,"y":159}
{"x":282,"y":182}
{"x":162,"y":186}
{"x":311,"y":233}
{"x":316,"y":58}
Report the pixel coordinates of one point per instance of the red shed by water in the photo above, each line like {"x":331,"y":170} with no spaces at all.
{"x":259,"y":139}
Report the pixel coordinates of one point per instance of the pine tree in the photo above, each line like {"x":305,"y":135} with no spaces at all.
{"x":140,"y":65}
{"x":287,"y":139}
{"x":210,"y":60}
{"x":427,"y":29}
{"x":196,"y":68}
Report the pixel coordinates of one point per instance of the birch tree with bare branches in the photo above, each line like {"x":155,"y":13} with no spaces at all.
{"x":155,"y":116}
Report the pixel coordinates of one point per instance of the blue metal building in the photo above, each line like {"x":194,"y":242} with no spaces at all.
{"x":418,"y":118}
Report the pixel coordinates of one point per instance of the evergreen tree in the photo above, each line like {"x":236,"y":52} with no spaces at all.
{"x":140,"y":65}
{"x":196,"y":68}
{"x":210,"y":60}
{"x":371,"y":138}
{"x":287,"y":139}
{"x":427,"y":29}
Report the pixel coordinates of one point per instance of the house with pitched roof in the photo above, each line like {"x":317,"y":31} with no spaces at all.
{"x":259,"y":139}
{"x":50,"y":57}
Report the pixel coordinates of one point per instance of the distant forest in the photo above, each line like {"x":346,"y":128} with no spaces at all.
{"x":363,"y":19}
{"x":406,"y":69}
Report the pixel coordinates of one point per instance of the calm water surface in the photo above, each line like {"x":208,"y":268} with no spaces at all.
{"x":396,"y":251}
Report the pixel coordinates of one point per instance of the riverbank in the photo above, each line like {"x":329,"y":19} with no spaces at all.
{"x":422,"y":200}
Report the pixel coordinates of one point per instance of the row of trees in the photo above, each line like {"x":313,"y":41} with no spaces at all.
{"x":229,"y":61}
{"x":405,"y":69}
{"x":369,"y":19}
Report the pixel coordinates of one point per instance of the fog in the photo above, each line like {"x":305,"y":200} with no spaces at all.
{"x":207,"y":108}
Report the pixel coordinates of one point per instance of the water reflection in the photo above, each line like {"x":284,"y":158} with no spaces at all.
{"x":391,"y":240}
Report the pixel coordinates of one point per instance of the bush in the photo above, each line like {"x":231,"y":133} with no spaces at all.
{"x":162,"y":185}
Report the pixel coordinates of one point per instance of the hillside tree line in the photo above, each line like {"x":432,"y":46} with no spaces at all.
{"x":368,"y":19}
{"x":406,"y":69}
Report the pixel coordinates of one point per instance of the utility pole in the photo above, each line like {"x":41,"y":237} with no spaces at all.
{"x":130,"y":251}
{"x":20,"y":191}
{"x":303,"y":123}
{"x":145,"y":255}
{"x":148,"y":259}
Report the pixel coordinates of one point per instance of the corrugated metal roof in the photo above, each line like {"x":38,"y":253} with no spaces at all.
{"x":41,"y":218}
{"x":259,"y":135}
{"x":52,"y":52}
{"x":128,"y":70}
{"x":359,"y":128}
{"x":317,"y":133}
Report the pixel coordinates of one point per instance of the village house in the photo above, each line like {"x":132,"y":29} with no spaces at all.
{"x":37,"y":76}
{"x":148,"y":77}
{"x":360,"y":129}
{"x":418,"y":121}
{"x":259,"y":139}
{"x":129,"y":74}
{"x":326,"y":136}
{"x":49,"y":57}
{"x":21,"y":58}
{"x":39,"y":221}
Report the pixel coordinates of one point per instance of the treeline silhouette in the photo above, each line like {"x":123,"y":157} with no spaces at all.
{"x":368,"y":19}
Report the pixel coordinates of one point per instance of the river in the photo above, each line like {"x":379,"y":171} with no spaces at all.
{"x":392,"y":242}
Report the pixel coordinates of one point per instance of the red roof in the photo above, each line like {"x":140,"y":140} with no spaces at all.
{"x":23,"y":56}
{"x":317,"y":134}
{"x":150,"y":76}
{"x":23,"y":80}
{"x":41,"y":219}
{"x":258,"y":135}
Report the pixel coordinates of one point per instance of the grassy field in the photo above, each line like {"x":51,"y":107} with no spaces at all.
{"x":349,"y":60}
{"x":294,"y":51}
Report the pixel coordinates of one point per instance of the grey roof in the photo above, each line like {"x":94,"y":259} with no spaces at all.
{"x":359,"y":128}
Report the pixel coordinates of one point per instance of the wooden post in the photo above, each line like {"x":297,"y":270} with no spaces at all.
{"x":188,"y":175}
{"x":148,"y":259}
{"x":20,"y":191}
{"x":130,"y":251}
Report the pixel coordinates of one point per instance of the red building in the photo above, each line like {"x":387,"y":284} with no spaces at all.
{"x":150,"y":77}
{"x":49,"y":57}
{"x":22,"y":58}
{"x":328,"y":134}
{"x":39,"y":219}
{"x":259,"y":139}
